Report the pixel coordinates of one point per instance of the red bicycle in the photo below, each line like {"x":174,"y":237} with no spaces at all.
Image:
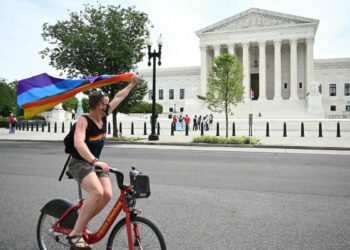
{"x":133,"y":232}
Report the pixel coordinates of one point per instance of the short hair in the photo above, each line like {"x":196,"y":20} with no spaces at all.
{"x":95,"y":98}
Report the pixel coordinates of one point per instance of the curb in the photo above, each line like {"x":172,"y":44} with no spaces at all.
{"x":191,"y":144}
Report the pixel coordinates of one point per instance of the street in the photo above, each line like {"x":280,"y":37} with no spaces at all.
{"x":201,"y":199}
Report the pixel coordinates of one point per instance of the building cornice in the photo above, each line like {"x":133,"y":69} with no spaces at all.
{"x":332,"y":63}
{"x":173,"y":71}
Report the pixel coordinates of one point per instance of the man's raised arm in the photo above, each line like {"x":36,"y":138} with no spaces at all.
{"x":121,"y":95}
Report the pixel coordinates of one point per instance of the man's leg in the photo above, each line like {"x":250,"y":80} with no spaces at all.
{"x":107,"y":194}
{"x":93,"y":186}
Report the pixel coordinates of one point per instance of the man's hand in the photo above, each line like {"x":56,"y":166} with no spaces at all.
{"x":135,"y":79}
{"x":104,"y":166}
{"x":120,"y":96}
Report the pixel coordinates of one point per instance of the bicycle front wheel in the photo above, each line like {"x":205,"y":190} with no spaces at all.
{"x":144,"y":233}
{"x":46,"y":237}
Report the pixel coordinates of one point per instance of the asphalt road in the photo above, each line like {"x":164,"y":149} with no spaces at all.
{"x":201,"y":199}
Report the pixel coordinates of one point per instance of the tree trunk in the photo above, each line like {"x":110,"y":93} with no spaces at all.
{"x":115,"y":127}
{"x":226,"y":116}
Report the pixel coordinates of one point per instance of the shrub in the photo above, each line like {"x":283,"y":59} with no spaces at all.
{"x":125,"y":138}
{"x":4,"y":123}
{"x":145,"y":107}
{"x":224,"y":140}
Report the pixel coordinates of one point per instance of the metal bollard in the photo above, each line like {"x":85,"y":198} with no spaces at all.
{"x":233,"y":129}
{"x":217,"y":129}
{"x":48,"y":127}
{"x":145,"y":129}
{"x":320,"y":130}
{"x":158,"y":128}
{"x":267,"y":129}
{"x":42,"y":127}
{"x":55,"y":128}
{"x":109,"y":128}
{"x":37,"y":126}
{"x":284,"y":129}
{"x":202,"y":129}
{"x":132,"y":128}
{"x":172,"y":128}
{"x":186,"y":132}
{"x":120,"y":128}
{"x":338,"y":129}
{"x":62,"y":127}
{"x":302,"y":130}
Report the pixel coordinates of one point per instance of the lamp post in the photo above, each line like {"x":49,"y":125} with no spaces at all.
{"x":153,"y":55}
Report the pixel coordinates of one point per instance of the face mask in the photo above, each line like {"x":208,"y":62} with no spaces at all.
{"x":106,"y":110}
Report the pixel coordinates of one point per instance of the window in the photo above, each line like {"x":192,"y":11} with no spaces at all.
{"x":171,"y":109}
{"x":300,"y":85}
{"x":285,"y":85}
{"x":182,"y":93}
{"x":160,"y":94}
{"x":181,"y":110}
{"x":347,"y":89}
{"x":347,"y":107}
{"x":150,"y":94}
{"x":333,"y":108}
{"x":171,"y":94}
{"x":332,"y":89}
{"x":320,"y":88}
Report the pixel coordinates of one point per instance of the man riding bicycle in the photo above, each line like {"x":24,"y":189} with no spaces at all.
{"x":89,"y":137}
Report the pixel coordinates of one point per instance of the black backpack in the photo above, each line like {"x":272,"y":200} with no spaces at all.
{"x":69,"y":141}
{"x":69,"y":147}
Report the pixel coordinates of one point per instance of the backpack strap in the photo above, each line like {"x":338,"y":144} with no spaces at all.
{"x":64,"y":168}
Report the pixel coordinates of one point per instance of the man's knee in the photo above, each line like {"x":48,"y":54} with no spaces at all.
{"x":97,"y":194}
{"x":107,"y":195}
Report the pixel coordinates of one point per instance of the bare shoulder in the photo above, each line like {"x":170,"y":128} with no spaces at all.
{"x":81,"y":123}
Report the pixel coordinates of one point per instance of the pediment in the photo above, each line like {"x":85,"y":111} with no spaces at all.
{"x":256,"y":18}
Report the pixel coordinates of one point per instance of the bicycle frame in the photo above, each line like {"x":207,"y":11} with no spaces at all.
{"x":92,"y":238}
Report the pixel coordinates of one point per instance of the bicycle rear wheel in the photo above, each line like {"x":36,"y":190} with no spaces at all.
{"x":46,"y":237}
{"x":149,"y":236}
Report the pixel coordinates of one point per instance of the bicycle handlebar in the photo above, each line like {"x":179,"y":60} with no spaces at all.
{"x":119,"y":175}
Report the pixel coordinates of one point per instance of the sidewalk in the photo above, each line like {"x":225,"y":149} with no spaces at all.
{"x":293,"y":140}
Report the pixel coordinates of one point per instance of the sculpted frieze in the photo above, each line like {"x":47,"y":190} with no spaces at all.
{"x":255,"y":20}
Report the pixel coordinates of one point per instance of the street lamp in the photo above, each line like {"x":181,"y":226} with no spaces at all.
{"x":153,"y":136}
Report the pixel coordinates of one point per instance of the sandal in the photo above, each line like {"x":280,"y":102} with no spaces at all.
{"x":76,"y":240}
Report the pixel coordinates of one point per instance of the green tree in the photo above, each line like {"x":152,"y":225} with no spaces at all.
{"x":7,"y":98}
{"x":70,"y":104}
{"x":99,"y":40}
{"x":224,"y":89}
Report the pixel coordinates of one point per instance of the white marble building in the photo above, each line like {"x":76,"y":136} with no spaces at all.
{"x":281,"y":77}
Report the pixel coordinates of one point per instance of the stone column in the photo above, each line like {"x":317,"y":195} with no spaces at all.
{"x":309,"y":62}
{"x":231,"y":48}
{"x":293,"y":69}
{"x":246,"y":70}
{"x":204,"y":70}
{"x":262,"y":70}
{"x":278,"y":80}
{"x":216,"y":51}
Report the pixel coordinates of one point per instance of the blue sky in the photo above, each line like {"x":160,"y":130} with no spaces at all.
{"x":22,"y":20}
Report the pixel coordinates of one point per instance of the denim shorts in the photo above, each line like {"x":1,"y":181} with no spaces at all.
{"x":80,"y":168}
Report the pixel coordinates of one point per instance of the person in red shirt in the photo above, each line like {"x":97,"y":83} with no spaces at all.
{"x":187,"y":120}
{"x":12,"y":123}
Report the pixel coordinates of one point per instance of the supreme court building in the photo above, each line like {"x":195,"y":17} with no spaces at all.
{"x":281,"y":77}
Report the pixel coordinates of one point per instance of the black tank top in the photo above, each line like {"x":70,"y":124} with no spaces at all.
{"x":94,"y":138}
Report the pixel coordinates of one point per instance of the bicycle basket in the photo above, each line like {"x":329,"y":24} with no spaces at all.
{"x":141,"y":186}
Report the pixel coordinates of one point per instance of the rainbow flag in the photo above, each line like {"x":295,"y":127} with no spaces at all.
{"x":43,"y":92}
